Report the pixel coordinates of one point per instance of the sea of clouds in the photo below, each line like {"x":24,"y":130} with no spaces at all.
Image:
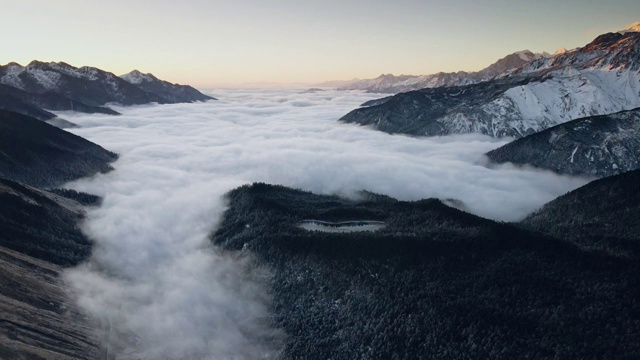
{"x":155,"y":277}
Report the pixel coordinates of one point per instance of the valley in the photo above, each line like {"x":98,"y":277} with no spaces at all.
{"x":486,"y":214}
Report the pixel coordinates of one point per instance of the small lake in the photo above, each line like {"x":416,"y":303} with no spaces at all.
{"x":342,"y":227}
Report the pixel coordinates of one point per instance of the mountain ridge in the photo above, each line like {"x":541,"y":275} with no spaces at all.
{"x":59,"y":86}
{"x":388,"y":83}
{"x":600,"y":78}
{"x":171,"y":92}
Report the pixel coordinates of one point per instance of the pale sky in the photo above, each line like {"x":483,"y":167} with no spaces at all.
{"x":208,"y":43}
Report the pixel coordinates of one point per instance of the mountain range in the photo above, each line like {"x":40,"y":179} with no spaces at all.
{"x":600,"y":78}
{"x":57,"y":86}
{"x":388,"y":83}
{"x":427,"y":281}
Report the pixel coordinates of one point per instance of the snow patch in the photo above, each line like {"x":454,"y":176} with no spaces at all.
{"x":573,"y":153}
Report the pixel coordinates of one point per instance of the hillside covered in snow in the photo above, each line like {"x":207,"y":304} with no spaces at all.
{"x":57,"y":86}
{"x":600,"y":78}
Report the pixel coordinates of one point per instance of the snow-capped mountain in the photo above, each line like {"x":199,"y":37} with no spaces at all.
{"x":599,"y":146}
{"x":88,"y":85}
{"x":170,"y":92}
{"x":601,"y":78}
{"x":388,"y":83}
{"x":60,"y":86}
{"x":635,"y":27}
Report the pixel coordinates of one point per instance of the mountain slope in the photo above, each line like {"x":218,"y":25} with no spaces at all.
{"x":600,"y":216}
{"x":172,"y":93}
{"x":445,"y":110}
{"x":594,"y":146}
{"x":49,"y":100}
{"x":42,"y":155}
{"x":395,"y":84}
{"x":60,"y":86}
{"x":38,"y":318}
{"x":433,"y":282}
{"x":601,"y":78}
{"x":41,"y":224}
{"x":10,"y":102}
{"x":87,"y":85}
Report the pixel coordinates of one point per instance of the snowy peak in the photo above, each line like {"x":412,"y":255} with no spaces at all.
{"x":137,"y":77}
{"x":388,"y":83}
{"x":525,"y":55}
{"x":507,"y":63}
{"x":172,"y":93}
{"x":40,"y":77}
{"x":560,"y":51}
{"x":610,"y":52}
{"x":602,"y":77}
{"x":635,"y":27}
{"x":59,"y":86}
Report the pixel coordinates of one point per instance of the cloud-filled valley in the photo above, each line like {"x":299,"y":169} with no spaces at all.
{"x":153,"y":269}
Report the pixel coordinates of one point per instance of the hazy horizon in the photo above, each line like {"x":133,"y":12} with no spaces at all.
{"x":208,"y":44}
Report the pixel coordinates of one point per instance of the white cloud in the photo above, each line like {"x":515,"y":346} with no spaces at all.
{"x":153,"y":269}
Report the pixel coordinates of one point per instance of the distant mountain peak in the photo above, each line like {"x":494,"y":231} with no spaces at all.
{"x":61,"y":86}
{"x":635,"y":27}
{"x":35,"y":63}
{"x":137,"y":77}
{"x":560,"y":51}
{"x":526,"y":55}
{"x":519,"y":97}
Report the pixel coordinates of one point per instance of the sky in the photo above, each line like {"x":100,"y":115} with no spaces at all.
{"x":209,"y":43}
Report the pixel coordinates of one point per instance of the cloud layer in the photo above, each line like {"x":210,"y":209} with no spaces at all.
{"x":154,"y":272}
